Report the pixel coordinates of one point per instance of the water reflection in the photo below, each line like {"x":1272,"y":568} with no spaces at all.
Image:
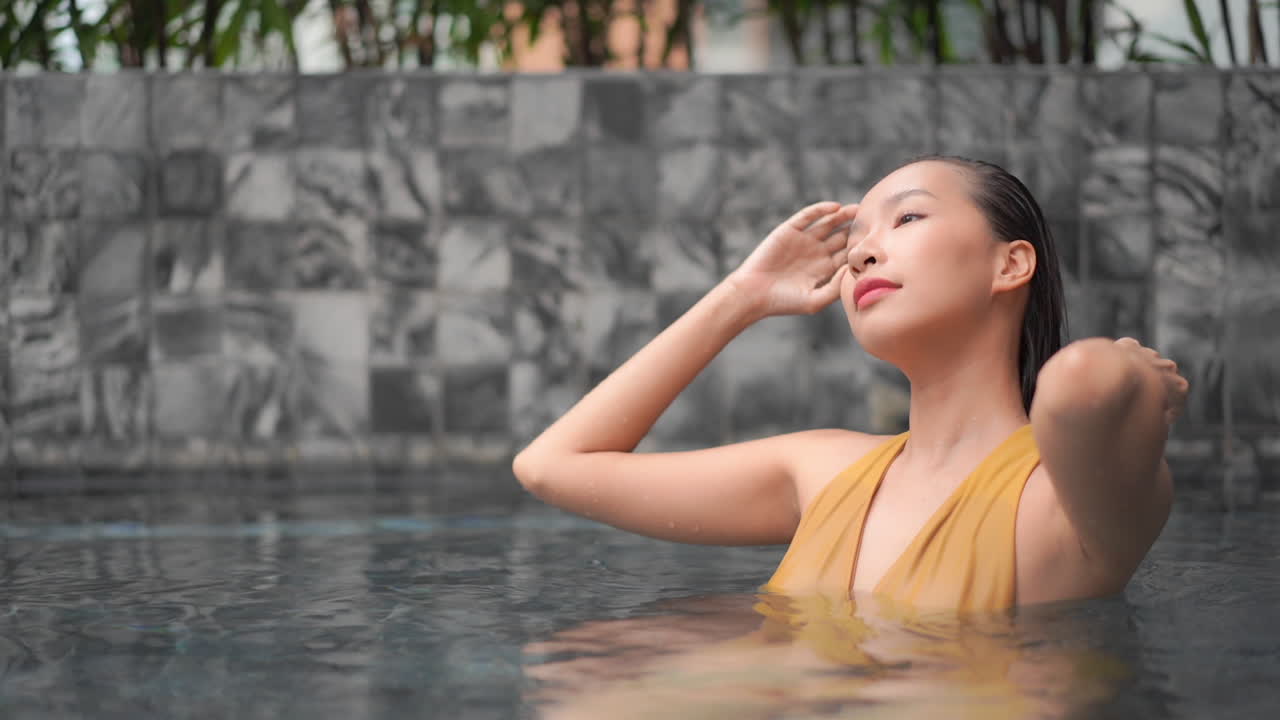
{"x":771,"y":656}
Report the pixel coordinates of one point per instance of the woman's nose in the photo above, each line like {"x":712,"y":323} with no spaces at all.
{"x":862,"y":254}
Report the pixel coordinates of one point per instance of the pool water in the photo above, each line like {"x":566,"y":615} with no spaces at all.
{"x":382,"y":605}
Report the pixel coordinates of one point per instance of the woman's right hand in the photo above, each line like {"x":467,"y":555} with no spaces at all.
{"x":798,"y":267}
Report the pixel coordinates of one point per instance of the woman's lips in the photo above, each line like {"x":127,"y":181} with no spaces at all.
{"x":873,"y":295}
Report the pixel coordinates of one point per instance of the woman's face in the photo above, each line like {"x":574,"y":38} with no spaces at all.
{"x":919,"y":229}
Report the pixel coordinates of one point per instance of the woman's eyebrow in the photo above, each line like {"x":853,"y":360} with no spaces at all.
{"x":857,"y":225}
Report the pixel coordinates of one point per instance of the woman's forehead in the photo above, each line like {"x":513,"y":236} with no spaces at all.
{"x":938,"y":178}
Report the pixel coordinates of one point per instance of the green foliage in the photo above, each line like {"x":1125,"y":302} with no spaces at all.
{"x":102,"y":34}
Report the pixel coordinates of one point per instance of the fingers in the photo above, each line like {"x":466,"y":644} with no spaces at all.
{"x":825,"y":294}
{"x":829,"y":223}
{"x":809,"y":215}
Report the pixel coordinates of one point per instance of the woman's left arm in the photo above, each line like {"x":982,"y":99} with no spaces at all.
{"x":1101,"y":415}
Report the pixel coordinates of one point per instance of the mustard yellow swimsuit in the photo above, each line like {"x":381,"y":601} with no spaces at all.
{"x":963,"y":557}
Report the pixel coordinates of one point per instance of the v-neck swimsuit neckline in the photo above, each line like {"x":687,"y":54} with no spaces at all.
{"x":963,"y":555}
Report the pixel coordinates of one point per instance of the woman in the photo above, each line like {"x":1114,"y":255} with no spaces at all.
{"x":1031,"y":472}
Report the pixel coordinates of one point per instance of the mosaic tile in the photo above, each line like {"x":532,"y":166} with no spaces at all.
{"x":404,"y":254}
{"x":116,"y":405}
{"x":615,"y":325}
{"x":185,"y":327}
{"x":255,"y":408}
{"x":331,"y":184}
{"x":42,"y":258}
{"x":1189,"y":107}
{"x":1044,"y":106}
{"x":44,"y":371}
{"x":615,"y":252}
{"x":327,"y":256}
{"x":1053,"y":178}
{"x":767,"y":383}
{"x":1187,"y":325}
{"x":474,"y":255}
{"x":44,"y":110}
{"x":1189,"y":181}
{"x":1252,"y":248}
{"x":540,"y":395}
{"x":483,"y":181}
{"x":1117,"y":180}
{"x":1121,"y":247}
{"x":684,"y":107}
{"x":614,"y":109}
{"x":547,"y":255}
{"x":114,"y":185}
{"x":1251,"y":355}
{"x":841,"y":93}
{"x":687,"y":181}
{"x":187,"y":255}
{"x":404,"y":400}
{"x":259,"y":329}
{"x":1116,"y":309}
{"x":113,"y":260}
{"x":546,"y":111}
{"x":186,"y":111}
{"x":695,"y":419}
{"x":1116,"y":108}
{"x":553,"y":179}
{"x":758,"y":109}
{"x":331,"y":399}
{"x":402,"y":113}
{"x":474,"y":113}
{"x":476,"y":399}
{"x":845,"y":174}
{"x":333,"y":110}
{"x":1067,"y":243}
{"x":901,"y":113}
{"x":406,"y":185}
{"x":473,"y":330}
{"x":255,"y":252}
{"x":114,"y":330}
{"x":44,"y":184}
{"x":190,"y":183}
{"x":1253,"y":154}
{"x":114,"y":113}
{"x":547,"y":327}
{"x":760,"y":180}
{"x":402,"y":327}
{"x":966,"y":99}
{"x":282,"y":256}
{"x":622,"y":180}
{"x":686,"y":255}
{"x":259,"y":111}
{"x":259,"y":186}
{"x":740,"y":234}
{"x":841,"y":389}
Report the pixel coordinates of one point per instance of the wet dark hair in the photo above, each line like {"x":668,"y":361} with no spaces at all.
{"x":1014,"y":214}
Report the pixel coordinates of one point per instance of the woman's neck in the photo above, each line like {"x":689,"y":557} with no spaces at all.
{"x":962,"y":408}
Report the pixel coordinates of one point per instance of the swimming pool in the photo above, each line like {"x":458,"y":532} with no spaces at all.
{"x":392,"y":604}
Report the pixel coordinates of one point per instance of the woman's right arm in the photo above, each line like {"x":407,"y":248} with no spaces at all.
{"x":736,"y":494}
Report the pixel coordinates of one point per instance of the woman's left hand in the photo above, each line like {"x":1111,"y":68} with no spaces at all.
{"x":1175,"y":386}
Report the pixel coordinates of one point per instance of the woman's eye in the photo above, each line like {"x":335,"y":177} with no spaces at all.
{"x":907,"y":217}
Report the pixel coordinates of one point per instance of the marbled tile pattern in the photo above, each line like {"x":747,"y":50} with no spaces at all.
{"x":205,"y":270}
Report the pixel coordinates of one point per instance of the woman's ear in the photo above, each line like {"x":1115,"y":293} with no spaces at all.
{"x":1016,"y":263}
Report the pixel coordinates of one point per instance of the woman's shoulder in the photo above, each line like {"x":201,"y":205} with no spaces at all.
{"x":817,"y":456}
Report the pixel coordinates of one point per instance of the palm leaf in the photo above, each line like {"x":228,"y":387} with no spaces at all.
{"x":1198,"y":30}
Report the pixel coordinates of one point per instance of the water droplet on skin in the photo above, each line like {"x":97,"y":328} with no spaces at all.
{"x":671,"y":525}
{"x":697,"y":528}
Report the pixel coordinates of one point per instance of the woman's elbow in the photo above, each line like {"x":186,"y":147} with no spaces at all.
{"x":1087,"y":379}
{"x":528,"y":471}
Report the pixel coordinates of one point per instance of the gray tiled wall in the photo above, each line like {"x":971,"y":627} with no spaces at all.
{"x":377,"y":269}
